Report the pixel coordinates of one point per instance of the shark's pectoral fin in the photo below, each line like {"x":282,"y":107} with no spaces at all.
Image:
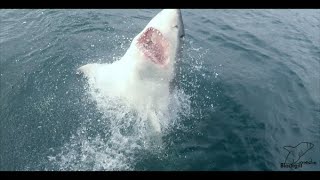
{"x":86,"y":70}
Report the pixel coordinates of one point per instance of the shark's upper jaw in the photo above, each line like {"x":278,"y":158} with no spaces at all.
{"x":159,"y":42}
{"x":154,"y":46}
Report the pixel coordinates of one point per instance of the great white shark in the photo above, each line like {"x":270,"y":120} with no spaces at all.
{"x":142,"y":77}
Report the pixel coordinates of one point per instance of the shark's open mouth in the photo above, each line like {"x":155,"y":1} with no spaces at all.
{"x":154,"y":46}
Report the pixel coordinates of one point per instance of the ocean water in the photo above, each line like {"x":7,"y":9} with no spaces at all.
{"x":247,"y":89}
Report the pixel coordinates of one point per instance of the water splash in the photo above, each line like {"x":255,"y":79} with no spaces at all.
{"x":116,"y":139}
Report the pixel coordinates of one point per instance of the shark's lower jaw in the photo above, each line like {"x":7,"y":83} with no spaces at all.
{"x":154,"y":46}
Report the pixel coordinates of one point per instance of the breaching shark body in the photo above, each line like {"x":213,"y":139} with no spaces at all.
{"x":142,"y":77}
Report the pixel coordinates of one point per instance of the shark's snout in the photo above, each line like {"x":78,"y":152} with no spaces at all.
{"x":169,"y":20}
